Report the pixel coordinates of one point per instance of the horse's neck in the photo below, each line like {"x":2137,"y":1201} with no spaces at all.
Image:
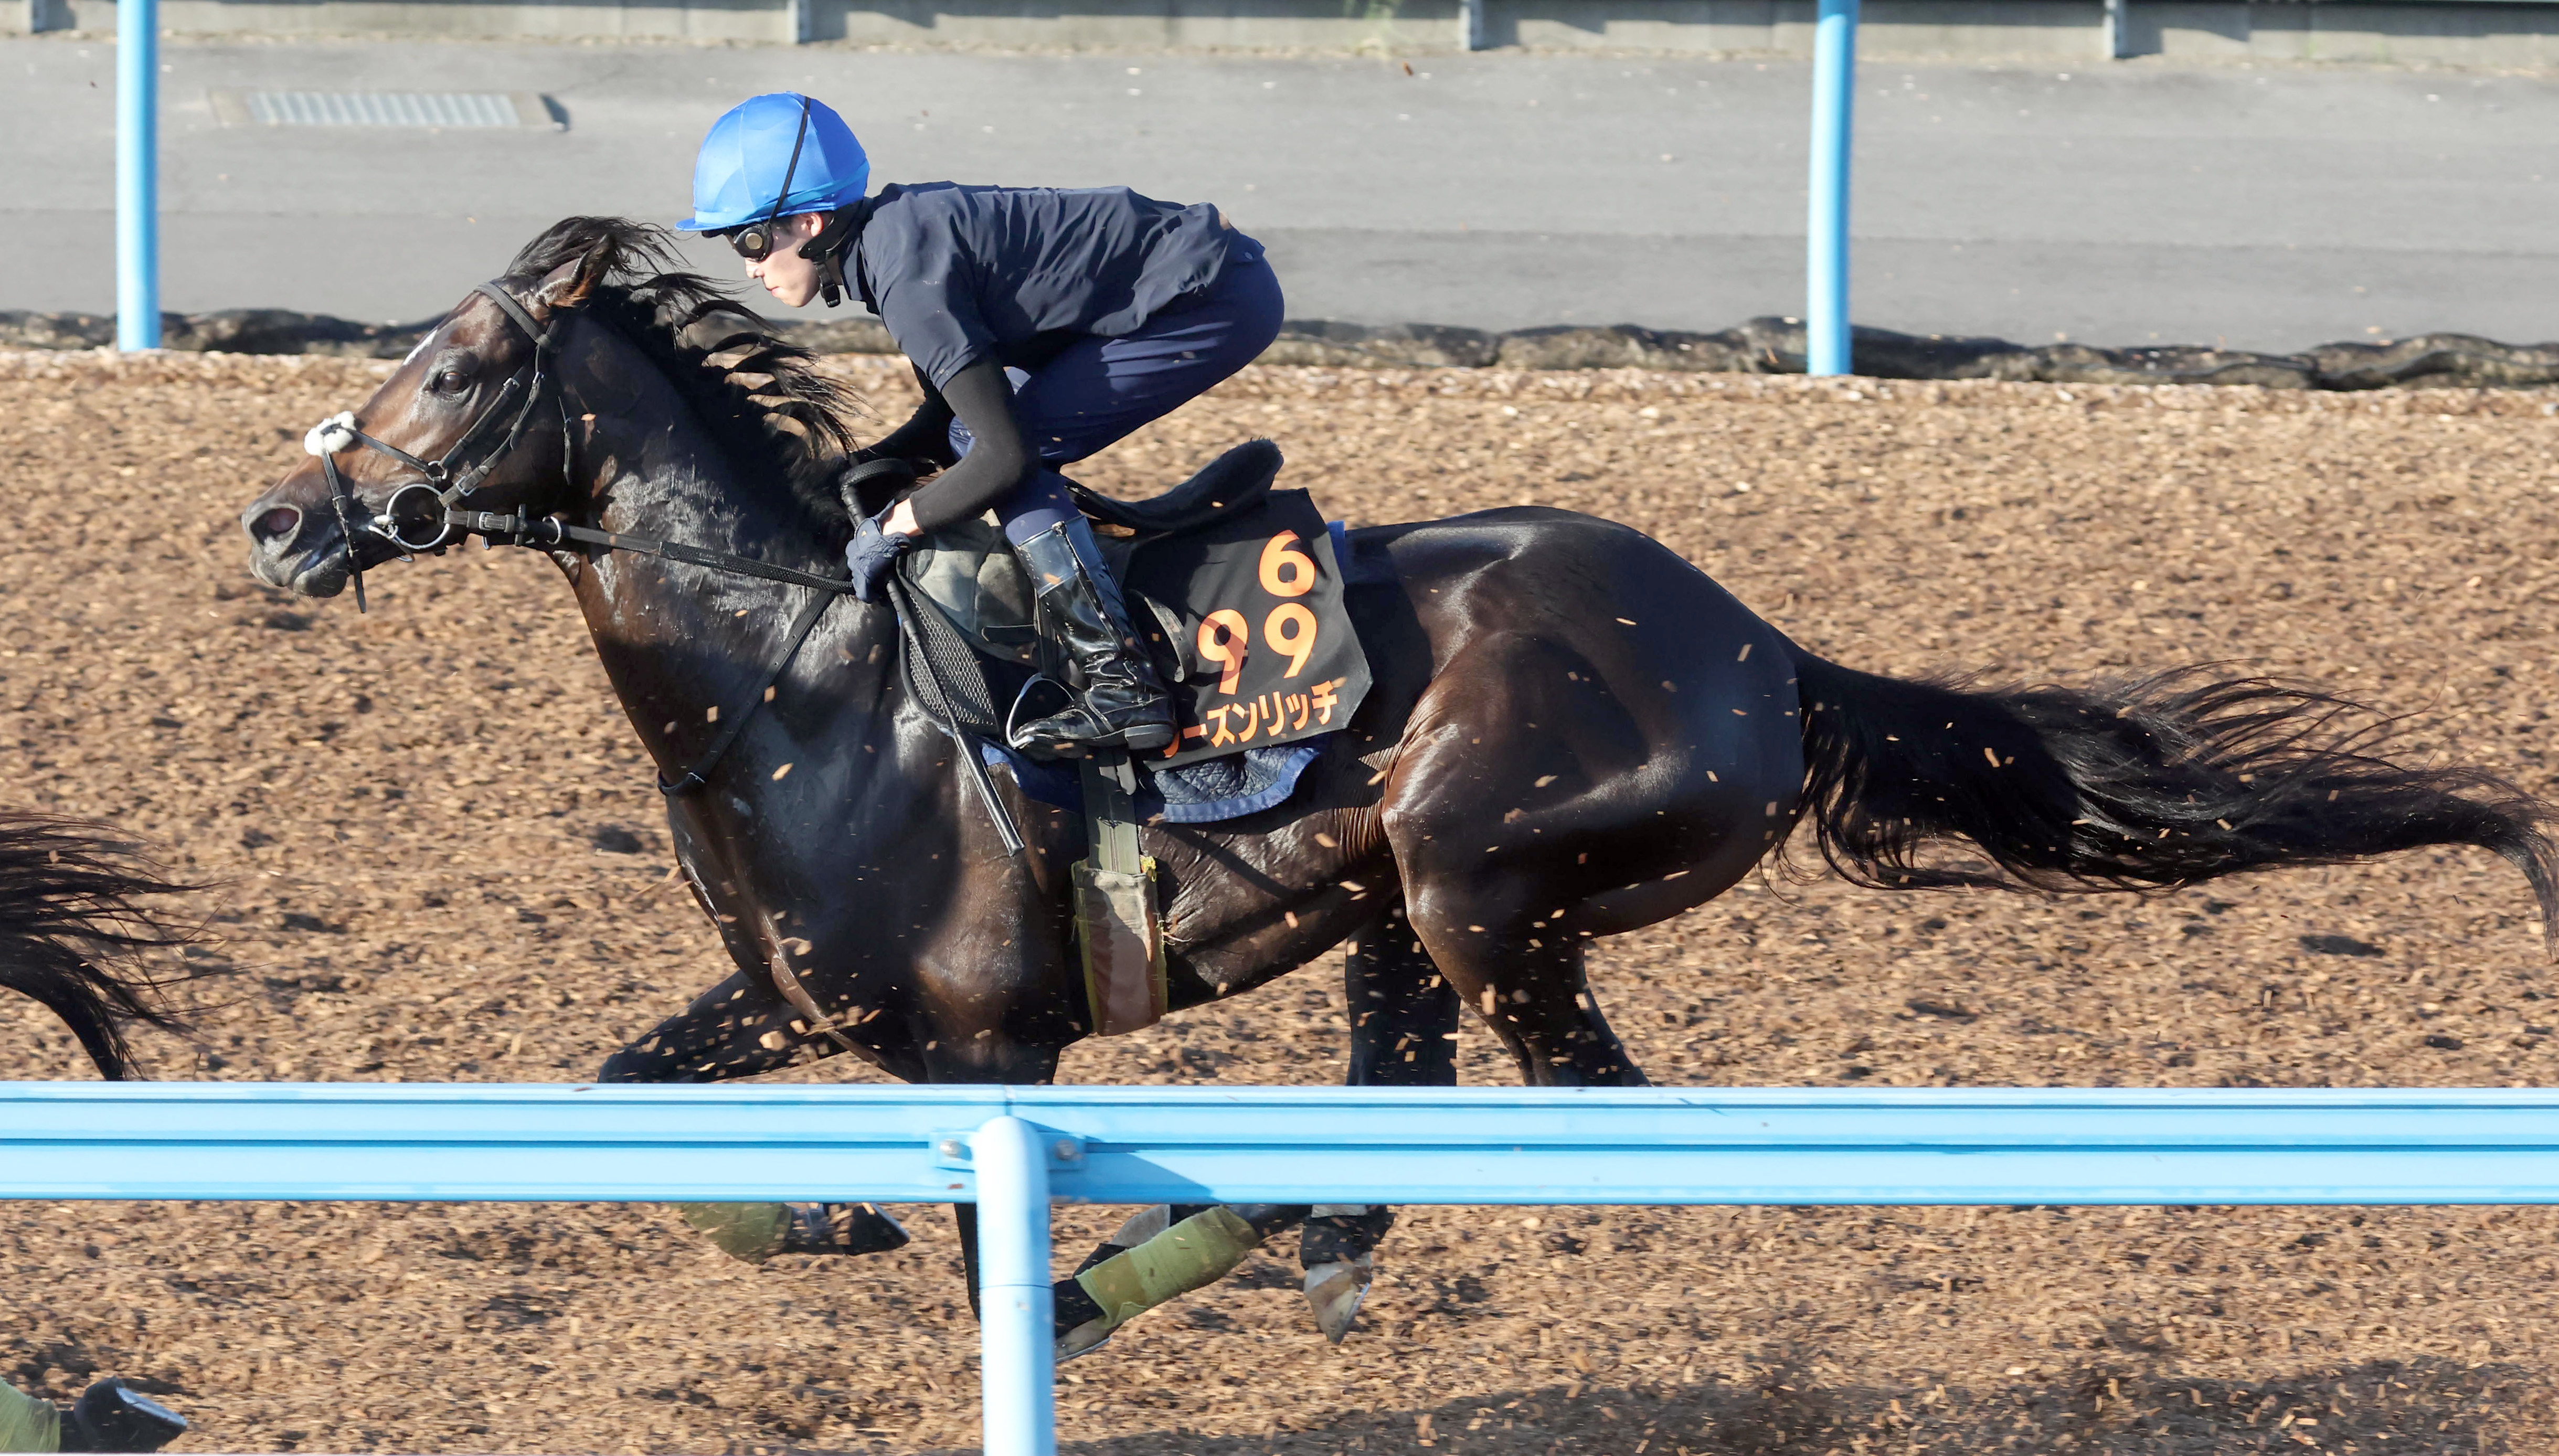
{"x":686,"y":645}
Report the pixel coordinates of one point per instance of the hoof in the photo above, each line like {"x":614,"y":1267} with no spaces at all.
{"x":1334,"y":1292}
{"x":1084,"y":1339}
{"x":862,"y":1227}
{"x":840,"y":1229}
{"x":1082,"y":1326}
{"x":112,"y":1416}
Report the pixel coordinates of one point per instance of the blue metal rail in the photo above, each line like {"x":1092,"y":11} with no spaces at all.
{"x":1826,"y":328}
{"x":1015,"y":1150}
{"x":137,"y":173}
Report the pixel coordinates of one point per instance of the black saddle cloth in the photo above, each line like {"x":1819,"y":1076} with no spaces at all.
{"x":1234,"y":482}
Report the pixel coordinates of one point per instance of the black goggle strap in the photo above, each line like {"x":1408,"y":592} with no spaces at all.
{"x":829,"y":248}
{"x":799,"y":139}
{"x":759,"y":236}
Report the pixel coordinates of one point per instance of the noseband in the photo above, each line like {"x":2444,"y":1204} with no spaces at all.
{"x":419,"y":514}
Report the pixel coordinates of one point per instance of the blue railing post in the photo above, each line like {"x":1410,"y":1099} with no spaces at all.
{"x":1826,"y":337}
{"x":1017,"y":1364}
{"x":137,"y":173}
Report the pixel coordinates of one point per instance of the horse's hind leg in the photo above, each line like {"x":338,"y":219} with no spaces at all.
{"x":1528,"y":985}
{"x":1402,"y":1011}
{"x":1404,"y":1033}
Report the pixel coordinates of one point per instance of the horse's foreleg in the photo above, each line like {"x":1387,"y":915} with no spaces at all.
{"x":738,"y":1029}
{"x":1160,"y":1254}
{"x":1402,"y":1019}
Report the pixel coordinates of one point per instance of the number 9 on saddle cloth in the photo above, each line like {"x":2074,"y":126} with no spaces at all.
{"x":1239,"y":590}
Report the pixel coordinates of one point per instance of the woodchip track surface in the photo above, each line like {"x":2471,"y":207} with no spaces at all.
{"x":439,"y":857}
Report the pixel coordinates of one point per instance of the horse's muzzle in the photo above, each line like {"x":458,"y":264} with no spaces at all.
{"x":294,"y":546}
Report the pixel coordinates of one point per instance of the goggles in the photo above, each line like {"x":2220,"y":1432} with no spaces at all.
{"x":754,"y":242}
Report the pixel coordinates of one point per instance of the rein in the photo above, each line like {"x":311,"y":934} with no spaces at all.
{"x":462,"y":469}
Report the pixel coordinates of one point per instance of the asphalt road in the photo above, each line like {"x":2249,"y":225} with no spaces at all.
{"x":2267,"y":208}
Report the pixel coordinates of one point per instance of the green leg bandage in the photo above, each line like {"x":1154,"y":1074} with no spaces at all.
{"x":1191,"y":1255}
{"x":26,"y":1424}
{"x":753,"y":1232}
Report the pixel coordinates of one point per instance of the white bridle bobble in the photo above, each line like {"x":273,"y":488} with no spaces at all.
{"x":331,"y":435}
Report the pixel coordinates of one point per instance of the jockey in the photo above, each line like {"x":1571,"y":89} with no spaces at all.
{"x":110,"y":1417}
{"x":1043,"y":325}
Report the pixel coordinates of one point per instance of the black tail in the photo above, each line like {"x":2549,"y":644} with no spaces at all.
{"x":2130,"y":784}
{"x":72,"y":922}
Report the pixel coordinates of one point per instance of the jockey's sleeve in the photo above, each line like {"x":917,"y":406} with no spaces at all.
{"x":926,"y":435}
{"x":998,"y":460}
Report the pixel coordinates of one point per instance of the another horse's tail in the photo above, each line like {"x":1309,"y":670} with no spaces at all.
{"x":71,"y":920}
{"x":2130,"y":784}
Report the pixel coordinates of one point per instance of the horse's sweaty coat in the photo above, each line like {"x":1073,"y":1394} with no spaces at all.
{"x":1571,"y":733}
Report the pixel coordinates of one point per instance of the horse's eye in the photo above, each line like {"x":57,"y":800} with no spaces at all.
{"x":451,"y":381}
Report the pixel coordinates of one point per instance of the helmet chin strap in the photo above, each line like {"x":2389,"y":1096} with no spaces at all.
{"x":832,"y":245}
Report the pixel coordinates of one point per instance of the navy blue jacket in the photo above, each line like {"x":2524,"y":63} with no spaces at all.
{"x":960,"y":273}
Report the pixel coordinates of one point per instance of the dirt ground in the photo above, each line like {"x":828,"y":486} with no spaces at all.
{"x":440,"y":857}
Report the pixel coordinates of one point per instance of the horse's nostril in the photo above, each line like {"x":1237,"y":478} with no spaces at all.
{"x":277,"y":525}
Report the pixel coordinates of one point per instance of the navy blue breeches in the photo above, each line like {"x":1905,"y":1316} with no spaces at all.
{"x":1098,"y":390}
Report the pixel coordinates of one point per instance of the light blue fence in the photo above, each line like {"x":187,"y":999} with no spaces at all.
{"x":137,"y":178}
{"x":137,"y":173}
{"x":1826,"y":333}
{"x":1015,"y":1150}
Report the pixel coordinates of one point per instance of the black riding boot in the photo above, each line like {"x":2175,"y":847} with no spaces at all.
{"x":1120,"y":703}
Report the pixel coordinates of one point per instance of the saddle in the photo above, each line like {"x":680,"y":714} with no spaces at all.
{"x":1230,"y":484}
{"x":969,"y":571}
{"x":1239,"y":590}
{"x":1240,"y":583}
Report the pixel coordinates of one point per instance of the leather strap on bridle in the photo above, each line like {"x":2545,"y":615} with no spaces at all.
{"x":543,"y":532}
{"x":460,"y":471}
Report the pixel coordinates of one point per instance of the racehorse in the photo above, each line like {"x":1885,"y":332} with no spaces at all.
{"x":73,"y":914}
{"x":1574,"y":733}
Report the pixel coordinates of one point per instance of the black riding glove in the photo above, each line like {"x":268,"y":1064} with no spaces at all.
{"x":872,"y":555}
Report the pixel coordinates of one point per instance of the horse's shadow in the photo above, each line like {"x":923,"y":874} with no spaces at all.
{"x":2104,"y":1404}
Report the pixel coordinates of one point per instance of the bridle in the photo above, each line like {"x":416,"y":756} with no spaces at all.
{"x":448,"y":480}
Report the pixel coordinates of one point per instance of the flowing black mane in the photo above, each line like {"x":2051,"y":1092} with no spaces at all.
{"x":763,"y":397}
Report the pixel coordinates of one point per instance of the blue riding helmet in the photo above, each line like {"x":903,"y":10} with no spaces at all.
{"x":744,"y":160}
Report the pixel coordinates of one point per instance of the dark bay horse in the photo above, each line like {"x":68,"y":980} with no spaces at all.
{"x":1574,"y":733}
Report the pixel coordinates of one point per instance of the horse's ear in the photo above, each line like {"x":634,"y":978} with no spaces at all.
{"x":572,"y":283}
